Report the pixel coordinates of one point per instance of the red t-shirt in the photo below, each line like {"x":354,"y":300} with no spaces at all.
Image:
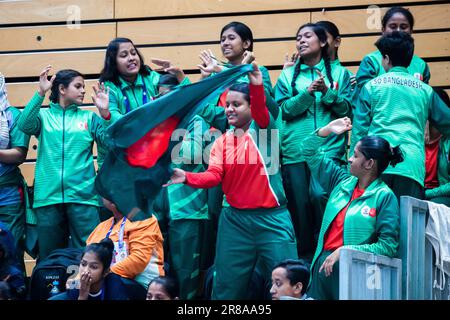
{"x":431,"y":164}
{"x":334,"y":238}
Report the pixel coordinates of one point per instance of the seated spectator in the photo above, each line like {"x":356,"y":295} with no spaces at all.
{"x":163,"y":288}
{"x":138,"y":246}
{"x":95,"y":280}
{"x":9,"y":270}
{"x":437,"y":161}
{"x":290,"y":280}
{"x":362,"y":212}
{"x":5,"y":292}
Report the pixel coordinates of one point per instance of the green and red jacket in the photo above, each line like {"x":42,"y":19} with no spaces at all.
{"x":304,"y":113}
{"x":372,"y":221}
{"x":247,"y":163}
{"x":396,"y":106}
{"x":443,"y":172}
{"x":371,"y":68}
{"x":65,"y":170}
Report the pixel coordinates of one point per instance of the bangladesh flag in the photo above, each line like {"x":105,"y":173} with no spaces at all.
{"x":138,"y":162}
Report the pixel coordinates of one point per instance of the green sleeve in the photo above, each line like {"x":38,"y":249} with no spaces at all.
{"x":97,"y":131}
{"x":441,"y":191}
{"x":339,"y":101}
{"x":214,"y":116}
{"x":362,"y":117}
{"x":192,"y":146}
{"x":291,"y":107}
{"x":426,"y":74}
{"x":18,"y":137}
{"x":29,"y":122}
{"x":387,"y":229}
{"x":439,"y":115}
{"x":323,"y":168}
{"x":266,"y":80}
{"x":367,"y":71}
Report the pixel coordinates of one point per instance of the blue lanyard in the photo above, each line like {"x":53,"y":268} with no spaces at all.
{"x":127,"y":102}
{"x":122,"y":228}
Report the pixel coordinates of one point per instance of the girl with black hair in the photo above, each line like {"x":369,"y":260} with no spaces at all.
{"x":395,"y":19}
{"x":65,"y":201}
{"x":290,"y":280}
{"x":362,"y":212}
{"x":256,"y":227}
{"x":236,"y":44}
{"x":309,"y":100}
{"x":130,"y":82}
{"x":163,"y":288}
{"x":96,"y":282}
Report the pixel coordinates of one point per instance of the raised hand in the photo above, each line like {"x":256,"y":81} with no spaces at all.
{"x":44,"y":83}
{"x":290,"y":61}
{"x":249,"y":57}
{"x":178,"y":176}
{"x":337,"y":126}
{"x":255,"y":77}
{"x":101,"y":99}
{"x":167,"y":66}
{"x":209,"y":63}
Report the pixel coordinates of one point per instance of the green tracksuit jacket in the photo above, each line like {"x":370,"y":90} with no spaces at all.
{"x":372,"y":221}
{"x":65,"y":170}
{"x":396,"y":106}
{"x":186,"y":202}
{"x":371,"y":67}
{"x":304,"y":113}
{"x":443,"y":172}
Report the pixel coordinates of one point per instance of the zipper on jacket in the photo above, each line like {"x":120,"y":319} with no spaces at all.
{"x":314,"y":109}
{"x":62,"y":159}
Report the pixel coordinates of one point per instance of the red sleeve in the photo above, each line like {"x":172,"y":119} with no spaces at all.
{"x":260,"y":113}
{"x":213,"y":176}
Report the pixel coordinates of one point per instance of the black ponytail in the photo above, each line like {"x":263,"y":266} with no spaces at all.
{"x":295,"y":76}
{"x":396,"y":156}
{"x":326,"y":60}
{"x":104,"y":251}
{"x":379,"y":149}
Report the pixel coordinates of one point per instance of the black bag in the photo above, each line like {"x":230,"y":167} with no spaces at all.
{"x":54,"y":271}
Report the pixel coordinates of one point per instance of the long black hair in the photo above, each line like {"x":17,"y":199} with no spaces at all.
{"x":331,"y":28}
{"x":110,"y":72}
{"x":392,"y":11}
{"x":104,"y":251}
{"x":321,"y":34}
{"x":377,"y":148}
{"x":64,"y":77}
{"x":242,"y":30}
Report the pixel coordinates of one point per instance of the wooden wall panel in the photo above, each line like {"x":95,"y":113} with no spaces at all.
{"x":360,"y":20}
{"x":12,"y":12}
{"x":56,"y":37}
{"x":157,"y":8}
{"x":208,"y":29}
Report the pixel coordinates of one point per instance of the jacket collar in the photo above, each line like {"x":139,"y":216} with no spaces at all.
{"x":320,"y":66}
{"x":398,"y":69}
{"x":125,"y":84}
{"x":57,"y":107}
{"x":350,"y":185}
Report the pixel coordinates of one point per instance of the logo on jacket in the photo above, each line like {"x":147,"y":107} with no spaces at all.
{"x":418,"y":75}
{"x":82,"y":125}
{"x":368,"y":211}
